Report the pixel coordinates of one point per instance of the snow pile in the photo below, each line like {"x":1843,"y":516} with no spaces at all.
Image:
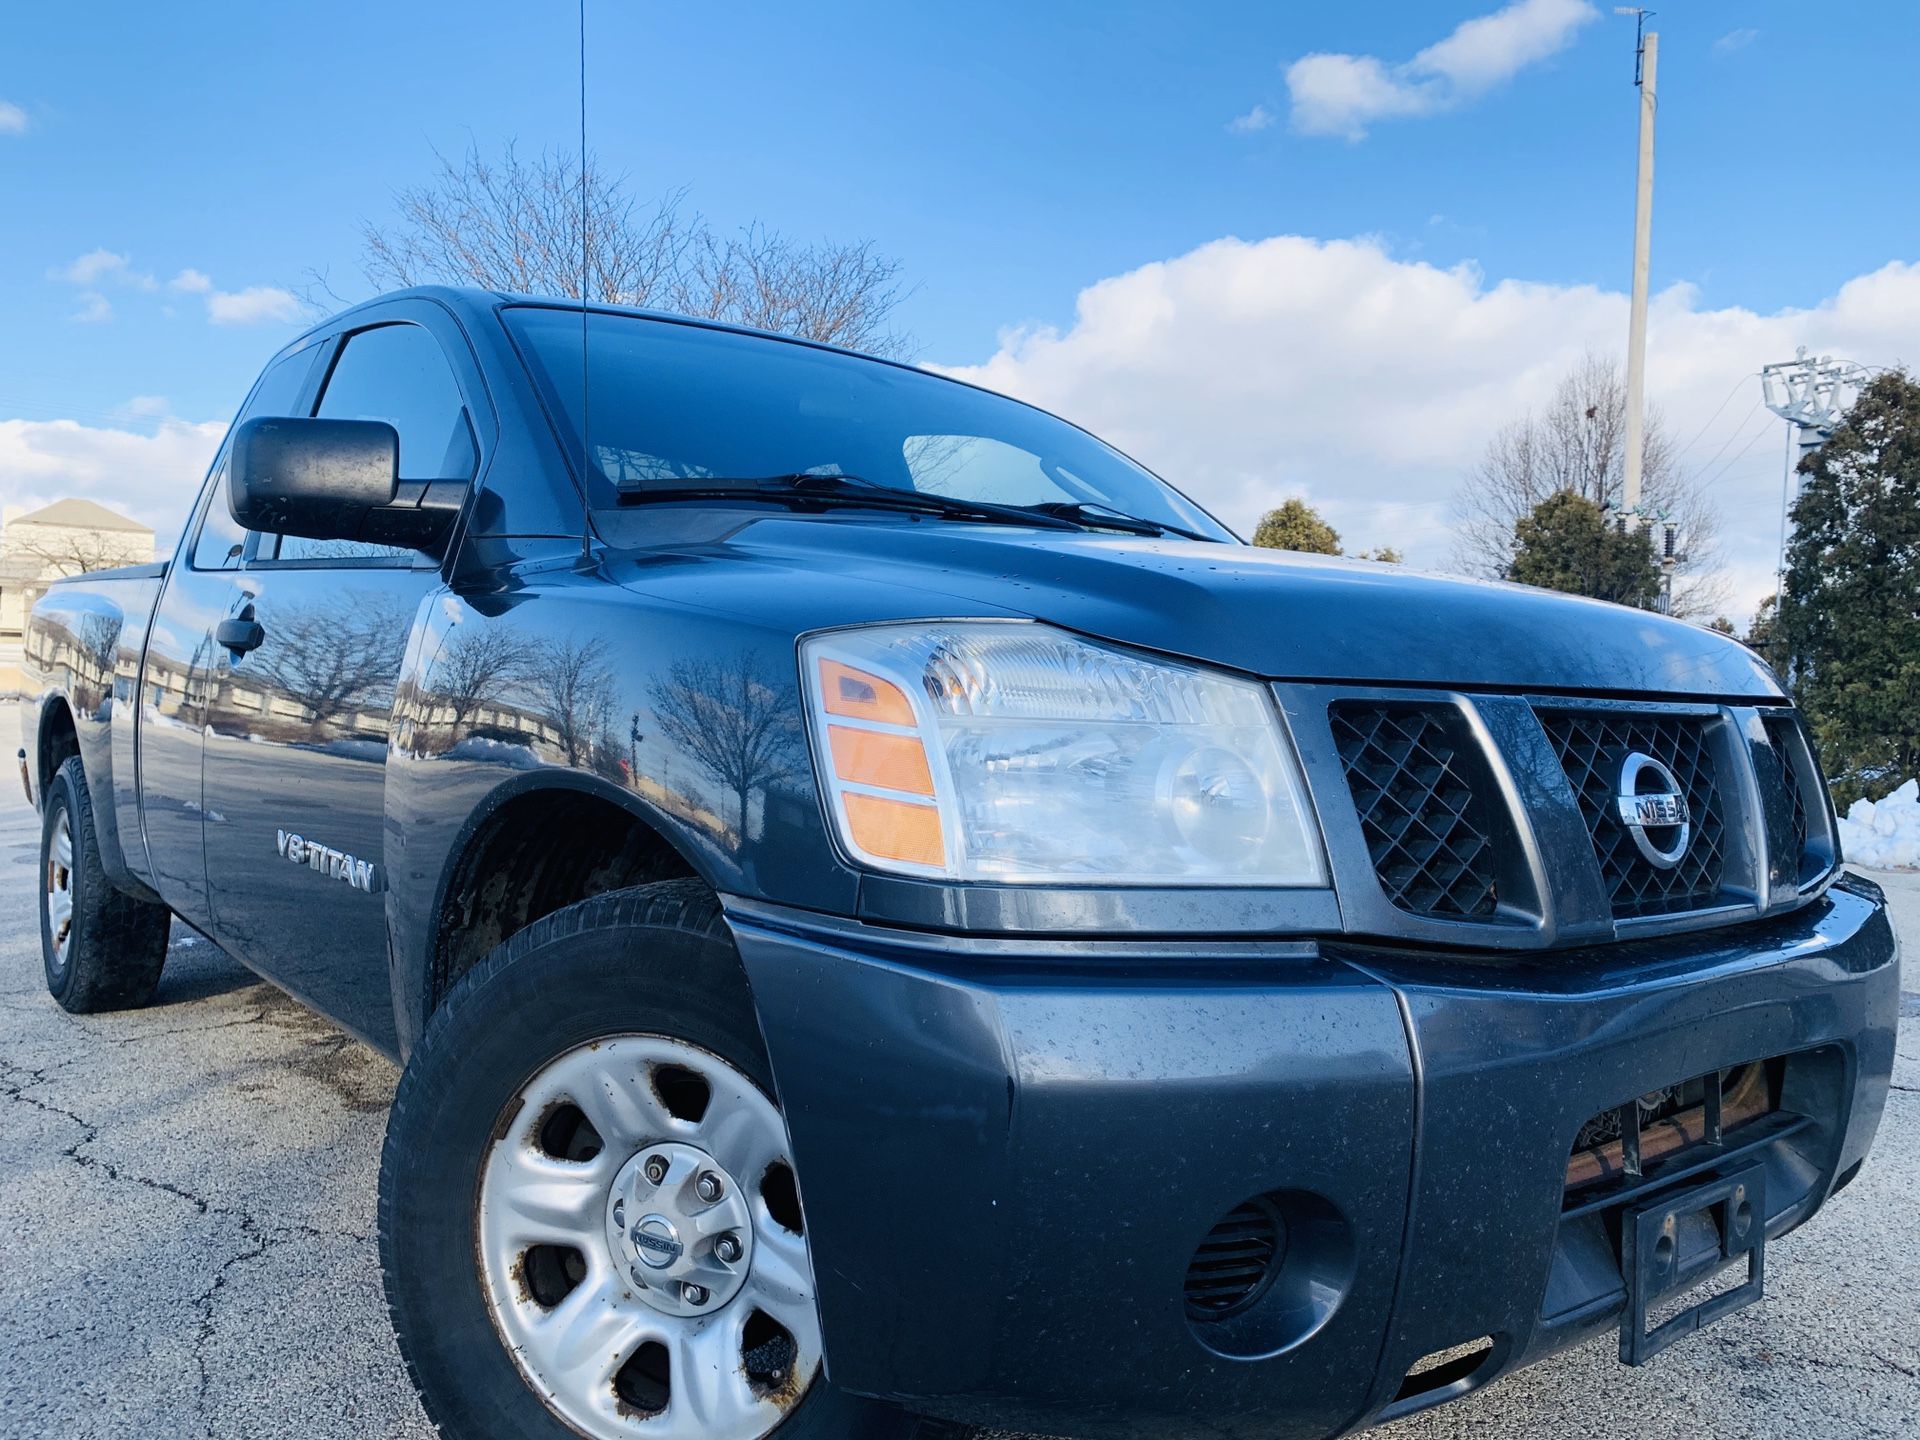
{"x":1884,"y":834}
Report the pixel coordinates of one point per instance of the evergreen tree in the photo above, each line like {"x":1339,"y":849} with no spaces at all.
{"x":1849,"y":625}
{"x":1296,"y":525}
{"x":1565,"y":543}
{"x":1763,"y":636}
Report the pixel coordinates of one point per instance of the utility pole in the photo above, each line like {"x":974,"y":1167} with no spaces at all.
{"x":1646,"y":60}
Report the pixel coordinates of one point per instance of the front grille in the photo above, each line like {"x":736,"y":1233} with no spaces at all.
{"x":1787,"y":809}
{"x":1419,"y":800}
{"x":1592,"y":745}
{"x":1237,"y":1261}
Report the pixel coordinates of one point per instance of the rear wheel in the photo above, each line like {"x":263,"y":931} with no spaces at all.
{"x":101,"y":948}
{"x":590,"y":1220}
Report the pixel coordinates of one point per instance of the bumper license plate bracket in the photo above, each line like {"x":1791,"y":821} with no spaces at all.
{"x":1655,"y":1261}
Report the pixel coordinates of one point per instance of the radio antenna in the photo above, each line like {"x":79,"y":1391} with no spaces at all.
{"x":586,"y":444}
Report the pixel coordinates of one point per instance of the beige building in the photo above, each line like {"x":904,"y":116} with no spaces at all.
{"x":38,"y":547}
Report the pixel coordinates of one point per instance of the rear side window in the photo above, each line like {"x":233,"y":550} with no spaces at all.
{"x":221,"y":539}
{"x":395,"y":373}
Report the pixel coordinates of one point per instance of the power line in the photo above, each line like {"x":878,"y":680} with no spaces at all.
{"x":1681,"y":454}
{"x":123,"y":419}
{"x":1752,"y":440}
{"x":1734,"y":434}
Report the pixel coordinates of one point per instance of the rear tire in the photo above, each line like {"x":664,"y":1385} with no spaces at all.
{"x":101,"y":948}
{"x":503,"y":1207}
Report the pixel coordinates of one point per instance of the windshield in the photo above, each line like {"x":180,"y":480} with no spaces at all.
{"x":678,"y":406}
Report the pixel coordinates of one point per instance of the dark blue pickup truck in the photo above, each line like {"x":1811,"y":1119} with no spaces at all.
{"x":896,"y":921}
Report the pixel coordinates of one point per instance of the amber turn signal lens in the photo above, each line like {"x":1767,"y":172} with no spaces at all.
{"x":895,"y":829}
{"x":860,"y":696}
{"x":888,"y":762}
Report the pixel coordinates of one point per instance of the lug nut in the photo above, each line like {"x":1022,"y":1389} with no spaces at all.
{"x":639,"y":1276}
{"x":726,"y":1249}
{"x":708,"y":1188}
{"x":656,"y":1170}
{"x":694,"y":1294}
{"x":620,"y":1214}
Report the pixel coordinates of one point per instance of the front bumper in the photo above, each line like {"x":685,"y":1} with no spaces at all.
{"x":1010,"y":1149}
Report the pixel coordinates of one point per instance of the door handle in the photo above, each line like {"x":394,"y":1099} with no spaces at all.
{"x":241,"y":635}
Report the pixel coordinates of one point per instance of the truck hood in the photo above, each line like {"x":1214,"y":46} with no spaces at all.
{"x":1275,"y":614}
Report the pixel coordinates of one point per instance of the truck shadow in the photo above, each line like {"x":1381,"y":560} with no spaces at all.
{"x":198,"y":970}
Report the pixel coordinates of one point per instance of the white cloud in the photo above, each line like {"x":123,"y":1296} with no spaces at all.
{"x":1735,"y":40}
{"x":1257,"y":119}
{"x":103,"y":267}
{"x":1338,"y":94}
{"x":99,"y":268}
{"x":151,"y":477}
{"x":94,"y":309}
{"x":13,"y":120}
{"x":251,"y":306}
{"x":1246,"y":372}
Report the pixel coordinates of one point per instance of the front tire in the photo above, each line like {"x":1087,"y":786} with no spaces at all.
{"x":101,"y":948}
{"x":589,"y":1221}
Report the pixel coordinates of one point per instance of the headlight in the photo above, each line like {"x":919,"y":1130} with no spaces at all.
{"x":1012,"y":752}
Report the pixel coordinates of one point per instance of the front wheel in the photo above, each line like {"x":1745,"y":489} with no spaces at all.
{"x":590,"y":1220}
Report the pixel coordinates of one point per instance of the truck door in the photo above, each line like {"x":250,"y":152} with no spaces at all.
{"x":297,"y":734}
{"x":183,"y":665}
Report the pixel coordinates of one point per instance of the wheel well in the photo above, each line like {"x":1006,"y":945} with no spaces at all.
{"x":538,"y":853}
{"x":59,"y":743}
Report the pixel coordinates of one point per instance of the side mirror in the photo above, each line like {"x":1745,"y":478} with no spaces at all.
{"x":334,"y":480}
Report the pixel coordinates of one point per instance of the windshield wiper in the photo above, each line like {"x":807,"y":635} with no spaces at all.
{"x":802,"y":488}
{"x":1098,"y":514}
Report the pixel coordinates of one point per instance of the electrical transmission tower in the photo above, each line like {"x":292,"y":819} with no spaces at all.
{"x":1811,"y":394}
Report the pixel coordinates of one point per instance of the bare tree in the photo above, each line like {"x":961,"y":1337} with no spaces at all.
{"x":71,"y":549}
{"x":572,"y":687}
{"x":838,"y":294}
{"x":477,"y":666}
{"x":734,"y":722}
{"x":1578,"y":444}
{"x":332,"y":659}
{"x":515,"y":224}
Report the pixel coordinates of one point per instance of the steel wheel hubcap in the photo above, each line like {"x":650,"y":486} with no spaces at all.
{"x":641,"y":1246}
{"x":60,"y":890}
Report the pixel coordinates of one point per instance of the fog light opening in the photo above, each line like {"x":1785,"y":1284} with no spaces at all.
{"x":1268,"y":1274}
{"x":1237,"y":1262}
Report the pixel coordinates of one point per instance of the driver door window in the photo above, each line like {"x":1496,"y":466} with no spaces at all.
{"x":395,"y":373}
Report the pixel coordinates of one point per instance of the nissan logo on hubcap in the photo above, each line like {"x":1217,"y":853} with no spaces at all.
{"x":657,"y":1242}
{"x":1654,"y":810}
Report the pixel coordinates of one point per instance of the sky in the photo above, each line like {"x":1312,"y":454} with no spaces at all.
{"x":1271,"y":249}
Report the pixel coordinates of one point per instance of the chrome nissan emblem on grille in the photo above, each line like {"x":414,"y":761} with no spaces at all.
{"x":1654,"y":810}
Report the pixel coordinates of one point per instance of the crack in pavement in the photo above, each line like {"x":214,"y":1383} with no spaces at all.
{"x":119,"y":1041}
{"x":17,"y":1080}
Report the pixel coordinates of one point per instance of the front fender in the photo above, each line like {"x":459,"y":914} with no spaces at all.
{"x":687,"y":717}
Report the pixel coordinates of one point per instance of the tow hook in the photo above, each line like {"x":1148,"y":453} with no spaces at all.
{"x":26,"y":779}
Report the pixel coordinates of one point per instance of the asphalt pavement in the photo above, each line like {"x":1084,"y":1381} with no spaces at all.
{"x":187,"y":1217}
